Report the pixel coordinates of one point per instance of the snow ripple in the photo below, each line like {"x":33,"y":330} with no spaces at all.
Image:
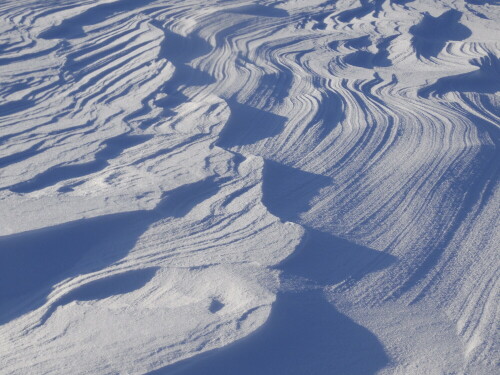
{"x":170,"y":170}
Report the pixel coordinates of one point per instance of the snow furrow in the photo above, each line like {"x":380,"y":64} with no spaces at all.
{"x":180,"y":175}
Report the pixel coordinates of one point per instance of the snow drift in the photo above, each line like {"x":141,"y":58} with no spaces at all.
{"x":250,"y":187}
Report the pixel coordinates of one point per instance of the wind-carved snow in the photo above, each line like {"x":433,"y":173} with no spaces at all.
{"x":243,"y":187}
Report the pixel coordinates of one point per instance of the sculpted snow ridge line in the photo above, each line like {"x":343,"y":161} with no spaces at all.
{"x":272,"y":187}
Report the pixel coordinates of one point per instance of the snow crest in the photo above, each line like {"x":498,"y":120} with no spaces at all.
{"x":250,"y":187}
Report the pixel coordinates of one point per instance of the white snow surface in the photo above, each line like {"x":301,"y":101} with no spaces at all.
{"x":249,"y":187}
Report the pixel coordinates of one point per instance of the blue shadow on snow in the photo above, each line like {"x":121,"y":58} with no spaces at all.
{"x":304,"y":334}
{"x":32,"y":262}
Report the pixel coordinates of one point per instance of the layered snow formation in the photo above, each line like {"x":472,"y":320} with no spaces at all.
{"x":249,"y":187}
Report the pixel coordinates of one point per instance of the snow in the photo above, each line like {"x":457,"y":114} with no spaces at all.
{"x":249,"y":187}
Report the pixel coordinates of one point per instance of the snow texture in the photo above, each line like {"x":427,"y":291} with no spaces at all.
{"x":227,"y":187}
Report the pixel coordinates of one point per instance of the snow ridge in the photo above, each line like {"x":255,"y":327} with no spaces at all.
{"x":271,"y":187}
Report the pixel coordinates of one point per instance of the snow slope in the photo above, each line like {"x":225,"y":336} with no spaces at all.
{"x":249,"y":187}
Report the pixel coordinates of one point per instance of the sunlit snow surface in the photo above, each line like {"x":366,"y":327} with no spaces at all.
{"x":293,"y":187}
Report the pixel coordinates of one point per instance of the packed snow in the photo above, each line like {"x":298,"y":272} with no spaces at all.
{"x":221,"y":187}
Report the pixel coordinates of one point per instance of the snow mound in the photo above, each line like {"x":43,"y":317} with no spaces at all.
{"x":249,"y":187}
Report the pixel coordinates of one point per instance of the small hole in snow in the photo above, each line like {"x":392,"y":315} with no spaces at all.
{"x":215,"y":306}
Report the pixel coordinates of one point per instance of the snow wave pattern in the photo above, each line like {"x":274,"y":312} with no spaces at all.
{"x":177,"y":174}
